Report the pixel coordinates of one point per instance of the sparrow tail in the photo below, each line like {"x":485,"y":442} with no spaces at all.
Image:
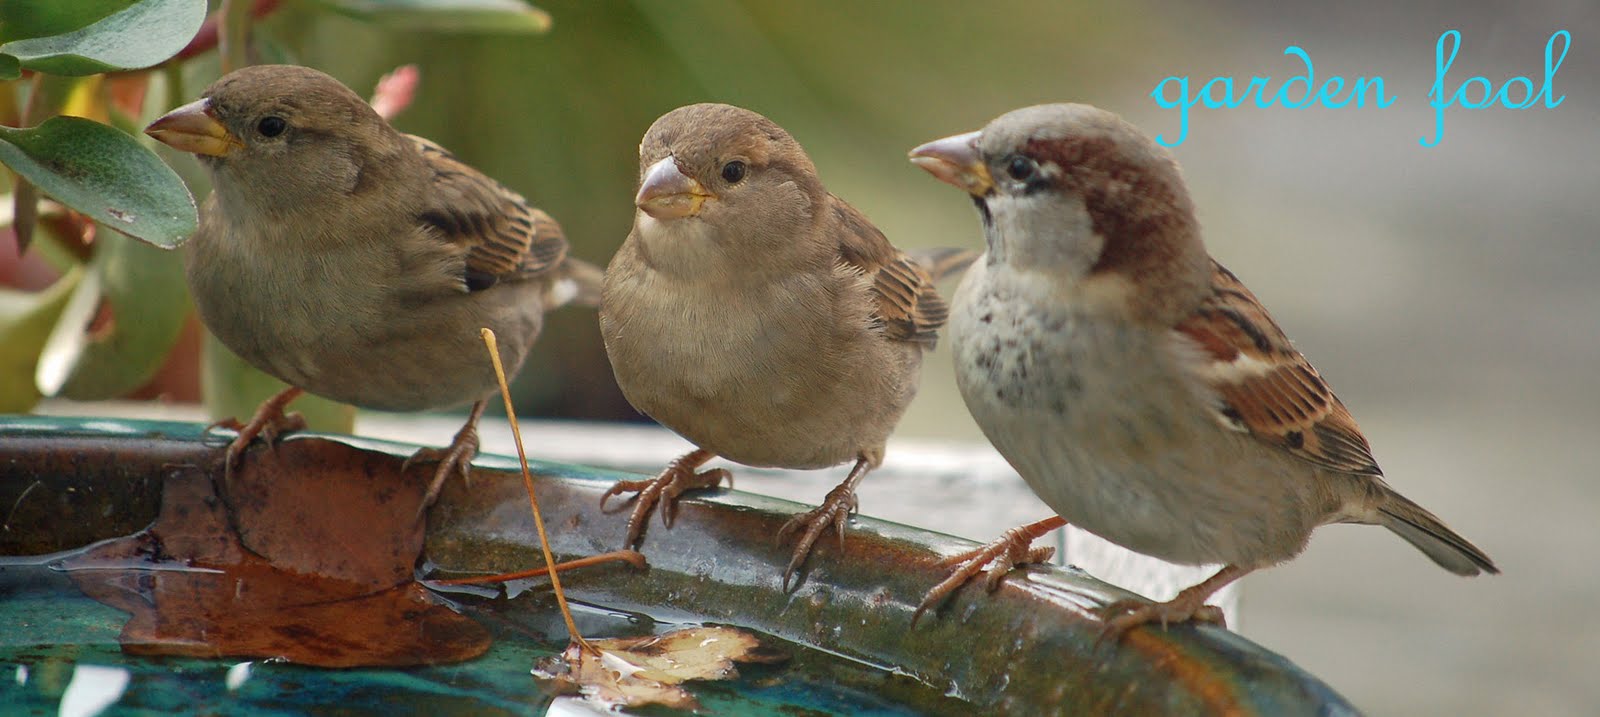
{"x":941,"y":262}
{"x":1430,"y":535}
{"x":576,"y":282}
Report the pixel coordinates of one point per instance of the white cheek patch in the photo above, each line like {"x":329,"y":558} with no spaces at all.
{"x":1015,"y":210}
{"x":1045,"y":230}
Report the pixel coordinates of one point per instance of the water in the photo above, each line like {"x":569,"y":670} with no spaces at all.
{"x":59,"y":654}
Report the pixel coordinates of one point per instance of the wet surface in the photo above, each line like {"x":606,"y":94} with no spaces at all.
{"x":62,"y":650}
{"x":1031,"y":647}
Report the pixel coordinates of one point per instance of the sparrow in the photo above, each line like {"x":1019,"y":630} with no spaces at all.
{"x":1136,"y":385}
{"x":356,"y":262}
{"x":761,"y":317}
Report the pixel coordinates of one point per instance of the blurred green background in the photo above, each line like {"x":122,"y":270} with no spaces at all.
{"x":559,"y":117}
{"x":1448,"y":293}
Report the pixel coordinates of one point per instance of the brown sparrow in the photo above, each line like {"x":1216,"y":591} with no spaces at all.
{"x":1136,"y":385}
{"x":356,"y":262}
{"x":759,"y":316}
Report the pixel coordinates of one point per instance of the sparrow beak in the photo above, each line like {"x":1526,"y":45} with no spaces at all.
{"x":667,"y":193}
{"x":955,"y":161}
{"x":193,"y":128}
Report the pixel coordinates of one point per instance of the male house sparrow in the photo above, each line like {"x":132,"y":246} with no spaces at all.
{"x":759,"y":316}
{"x":356,"y":262}
{"x":1135,"y":384}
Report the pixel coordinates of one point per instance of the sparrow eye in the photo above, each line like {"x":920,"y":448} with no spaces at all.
{"x":271,"y":126}
{"x":1020,"y":168}
{"x":733,"y":172}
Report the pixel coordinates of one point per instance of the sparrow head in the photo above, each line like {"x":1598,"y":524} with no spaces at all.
{"x":279,"y":138}
{"x":724,"y":175}
{"x":1076,"y":191}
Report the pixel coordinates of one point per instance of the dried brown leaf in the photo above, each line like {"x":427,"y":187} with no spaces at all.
{"x":638,"y":671}
{"x":308,"y":555}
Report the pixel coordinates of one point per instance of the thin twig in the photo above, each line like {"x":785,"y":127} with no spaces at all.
{"x":25,"y":196}
{"x":631,"y":557}
{"x":527,"y":482}
{"x":233,"y":35}
{"x":18,"y":503}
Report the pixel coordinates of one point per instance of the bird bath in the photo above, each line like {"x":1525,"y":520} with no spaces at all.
{"x":1030,"y":648}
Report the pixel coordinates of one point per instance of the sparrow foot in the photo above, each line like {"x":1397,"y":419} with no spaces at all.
{"x":1010,"y":551}
{"x":678,"y":477}
{"x":454,"y":458}
{"x":835,"y":511}
{"x":1124,"y":615}
{"x":269,"y":423}
{"x":1190,"y":605}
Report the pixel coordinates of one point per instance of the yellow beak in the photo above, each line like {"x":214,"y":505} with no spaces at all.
{"x":955,"y":161}
{"x":193,"y":128}
{"x":667,"y":193}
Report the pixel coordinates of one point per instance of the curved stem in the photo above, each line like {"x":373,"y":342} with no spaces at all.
{"x":631,"y":557}
{"x":527,"y":482}
{"x":233,"y":36}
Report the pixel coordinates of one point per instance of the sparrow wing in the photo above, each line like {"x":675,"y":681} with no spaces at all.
{"x":1265,"y":387}
{"x":907,"y":306}
{"x":504,"y":236}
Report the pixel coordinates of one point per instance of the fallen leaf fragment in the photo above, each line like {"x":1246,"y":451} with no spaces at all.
{"x":638,"y":671}
{"x":307,"y":555}
{"x":629,"y":671}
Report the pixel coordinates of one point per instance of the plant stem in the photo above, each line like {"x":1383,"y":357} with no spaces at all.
{"x":24,"y":196}
{"x":233,"y":33}
{"x":527,"y":482}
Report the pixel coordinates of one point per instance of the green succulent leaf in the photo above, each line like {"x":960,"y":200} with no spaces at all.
{"x":21,"y":19}
{"x":10,"y":67}
{"x":105,"y":174}
{"x":26,"y":320}
{"x":507,"y":16}
{"x":140,"y":35}
{"x":120,"y":324}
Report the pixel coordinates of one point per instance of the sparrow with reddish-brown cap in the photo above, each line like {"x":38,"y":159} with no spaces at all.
{"x":759,"y":316}
{"x":356,"y":262}
{"x":1136,"y":385}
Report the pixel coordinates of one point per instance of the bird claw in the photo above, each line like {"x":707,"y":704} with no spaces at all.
{"x":669,"y":511}
{"x":1001,"y":557}
{"x":269,"y":423}
{"x":1189,"y":605}
{"x":998,"y":571}
{"x":623,"y":486}
{"x":1012,"y":549}
{"x":230,"y":423}
{"x":1126,"y":614}
{"x":835,"y":510}
{"x":664,"y":490}
{"x":455,"y":458}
